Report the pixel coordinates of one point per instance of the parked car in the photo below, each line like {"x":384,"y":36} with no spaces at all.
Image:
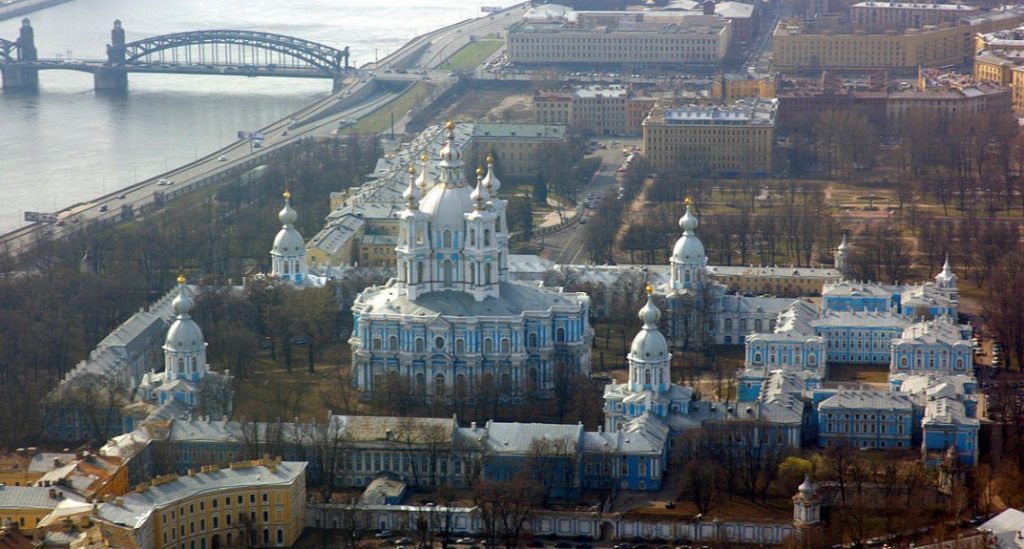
{"x":383,"y":534}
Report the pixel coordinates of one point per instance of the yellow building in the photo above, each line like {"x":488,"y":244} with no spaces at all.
{"x":711,"y":138}
{"x":728,"y":88}
{"x":799,"y":45}
{"x":781,"y":281}
{"x":261,"y":501}
{"x":990,"y":67}
{"x":26,"y":466}
{"x":27,"y":506}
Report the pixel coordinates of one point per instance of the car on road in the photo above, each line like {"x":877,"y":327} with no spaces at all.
{"x":383,"y":534}
{"x":222,"y":158}
{"x":122,"y":196}
{"x":103,"y":208}
{"x":403,"y":541}
{"x":162,"y":182}
{"x":465,"y":541}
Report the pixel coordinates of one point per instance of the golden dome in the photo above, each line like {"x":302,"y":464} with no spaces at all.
{"x":649,"y":289}
{"x":411,"y":170}
{"x":424,"y":157}
{"x":181,"y":279}
{"x":450,"y":126}
{"x":490,"y":158}
{"x":479,"y":171}
{"x":689,"y":201}
{"x":287,"y":195}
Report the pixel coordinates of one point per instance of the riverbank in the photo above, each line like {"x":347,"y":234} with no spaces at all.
{"x":13,"y":8}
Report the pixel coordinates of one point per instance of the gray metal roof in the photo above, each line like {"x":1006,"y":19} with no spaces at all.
{"x":516,"y":299}
{"x":33,"y":497}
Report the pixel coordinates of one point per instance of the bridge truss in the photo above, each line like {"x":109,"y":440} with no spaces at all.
{"x":7,"y":50}
{"x":234,"y":47}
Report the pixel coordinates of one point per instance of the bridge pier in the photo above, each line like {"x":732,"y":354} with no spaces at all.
{"x":19,"y":78}
{"x":113,"y":79}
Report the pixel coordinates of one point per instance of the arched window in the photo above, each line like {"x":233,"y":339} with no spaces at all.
{"x":960,"y":364}
{"x":447,"y":238}
{"x":439,"y":385}
{"x":506,"y":383}
{"x":497,"y":224}
{"x":757,"y":357}
{"x":419,"y":235}
{"x":757,"y":325}
{"x":447,"y":273}
{"x":487,"y":273}
{"x":487,"y":237}
{"x":472,"y":237}
{"x":181,"y":365}
{"x":560,"y":335}
{"x":460,"y":346}
{"x":903,"y":362}
{"x":419,"y":345}
{"x":488,"y":346}
{"x":376,"y":344}
{"x":531,"y":340}
{"x":439,"y":343}
{"x":647,"y":377}
{"x":506,"y":346}
{"x":532,"y":375}
{"x":421,"y":383}
{"x":812,"y":359}
{"x":461,"y":386}
{"x":195,"y":364}
{"x":286,"y":267}
{"x":743,"y":325}
{"x":686,"y":275}
{"x":728,"y":324}
{"x":472,"y":273}
{"x":393,"y":343}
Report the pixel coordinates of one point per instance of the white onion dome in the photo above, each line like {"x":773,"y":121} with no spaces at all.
{"x":411,"y":193}
{"x":479,"y":194}
{"x":451,"y":157}
{"x":689,"y":221}
{"x":288,"y":240}
{"x":421,"y":181}
{"x":807,"y":487}
{"x":184,"y":334}
{"x":688,"y":248}
{"x":649,"y":345}
{"x":844,"y":245}
{"x":287,"y":215}
{"x":491,"y":180}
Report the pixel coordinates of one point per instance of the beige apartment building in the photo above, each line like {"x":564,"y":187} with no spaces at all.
{"x":799,"y":45}
{"x":710,"y":138}
{"x":593,"y":110}
{"x":1000,"y":59}
{"x":698,"y":39}
{"x":882,"y":16}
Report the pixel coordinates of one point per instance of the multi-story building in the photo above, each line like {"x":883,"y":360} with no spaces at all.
{"x":27,"y":506}
{"x":882,"y":16}
{"x":713,"y":139}
{"x":781,"y":281}
{"x":451,"y":321}
{"x":804,"y":45}
{"x":935,"y":347}
{"x":594,"y":110}
{"x":867,"y":419}
{"x":625,"y":38}
{"x":1000,"y":60}
{"x":259,"y":503}
{"x":516,"y":146}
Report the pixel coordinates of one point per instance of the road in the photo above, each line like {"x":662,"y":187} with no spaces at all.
{"x":317,"y":120}
{"x":567,"y":245}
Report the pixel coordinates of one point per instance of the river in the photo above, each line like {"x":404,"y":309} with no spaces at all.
{"x":67,"y":144}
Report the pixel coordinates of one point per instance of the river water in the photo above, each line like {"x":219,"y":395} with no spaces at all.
{"x":67,"y":144}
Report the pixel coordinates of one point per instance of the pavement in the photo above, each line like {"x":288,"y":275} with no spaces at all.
{"x":567,"y":246}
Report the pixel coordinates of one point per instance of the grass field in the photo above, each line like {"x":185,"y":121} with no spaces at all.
{"x":269,"y":392}
{"x":380,"y":120}
{"x":472,"y":55}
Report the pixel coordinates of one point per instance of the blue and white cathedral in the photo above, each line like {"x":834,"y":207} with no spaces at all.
{"x":452,"y":321}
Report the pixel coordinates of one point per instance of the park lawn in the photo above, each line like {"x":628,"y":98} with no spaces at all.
{"x":734,"y":508}
{"x":380,"y":120}
{"x":269,"y":391}
{"x":858,"y":372}
{"x":472,"y":55}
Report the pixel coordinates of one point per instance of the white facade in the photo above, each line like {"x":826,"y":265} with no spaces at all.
{"x":451,"y":322}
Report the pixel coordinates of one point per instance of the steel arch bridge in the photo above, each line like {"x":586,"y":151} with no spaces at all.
{"x":331,"y":61}
{"x":7,"y":49}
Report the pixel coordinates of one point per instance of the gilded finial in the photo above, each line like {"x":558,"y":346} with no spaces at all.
{"x":424,"y":157}
{"x":688,"y":201}
{"x":649,"y":289}
{"x":479,"y":171}
{"x":411,"y":170}
{"x":450,"y":126}
{"x":181,"y":279}
{"x":490,"y":158}
{"x":287,"y":195}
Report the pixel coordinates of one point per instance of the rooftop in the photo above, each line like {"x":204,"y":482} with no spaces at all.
{"x":744,"y":112}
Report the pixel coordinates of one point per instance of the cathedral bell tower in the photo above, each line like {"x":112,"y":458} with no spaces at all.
{"x":482,"y":248}
{"x":184,"y":348}
{"x":413,"y":248}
